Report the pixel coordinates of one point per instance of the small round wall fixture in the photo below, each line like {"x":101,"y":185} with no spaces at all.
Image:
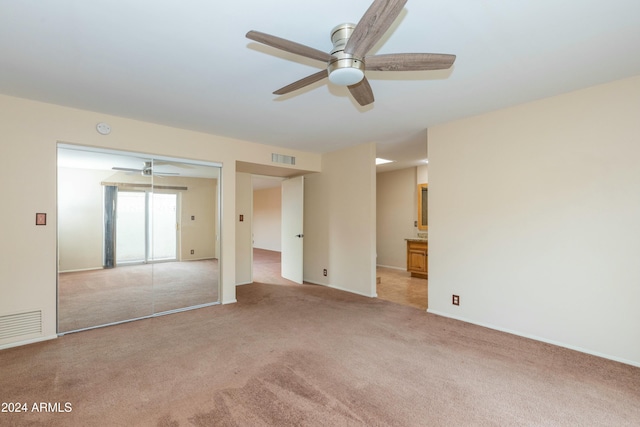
{"x":103,"y":128}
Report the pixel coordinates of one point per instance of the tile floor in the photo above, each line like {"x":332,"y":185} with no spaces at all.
{"x":398,"y":286}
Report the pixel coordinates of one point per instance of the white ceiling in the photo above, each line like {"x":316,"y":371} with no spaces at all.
{"x":70,"y":156}
{"x":188,"y":64}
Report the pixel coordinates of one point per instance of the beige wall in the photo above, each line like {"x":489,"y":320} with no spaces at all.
{"x":340,"y":221}
{"x":80,"y":221}
{"x":30,"y":132}
{"x":244,"y":247}
{"x":396,"y":213}
{"x":200,"y":201}
{"x":534,"y":215}
{"x":267,"y":216}
{"x":422,"y":175}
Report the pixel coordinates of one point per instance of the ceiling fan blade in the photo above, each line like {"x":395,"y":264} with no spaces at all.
{"x":373,"y":24}
{"x":362,"y":92}
{"x":409,"y":62}
{"x":126,"y":169}
{"x":174,"y":164}
{"x":289,"y":46}
{"x":302,"y":82}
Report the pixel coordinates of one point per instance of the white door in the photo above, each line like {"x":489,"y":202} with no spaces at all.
{"x":292,"y":228}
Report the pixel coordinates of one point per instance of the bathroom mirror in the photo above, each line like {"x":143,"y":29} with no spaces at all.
{"x":423,"y":218}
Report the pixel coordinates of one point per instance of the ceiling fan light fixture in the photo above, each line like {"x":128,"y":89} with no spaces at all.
{"x":346,"y":76}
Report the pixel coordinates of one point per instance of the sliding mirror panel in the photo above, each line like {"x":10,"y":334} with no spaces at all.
{"x":183,"y":235}
{"x":137,"y":237}
{"x":102,"y":277}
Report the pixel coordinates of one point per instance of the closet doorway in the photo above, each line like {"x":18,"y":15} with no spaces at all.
{"x":138,"y":236}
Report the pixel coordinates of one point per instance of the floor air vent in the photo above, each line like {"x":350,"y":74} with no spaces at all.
{"x":281,"y":158}
{"x":14,"y":325}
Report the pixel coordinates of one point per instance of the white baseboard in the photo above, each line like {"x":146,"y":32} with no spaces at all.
{"x":392,"y":267}
{"x":342,"y":289}
{"x":537,"y":338}
{"x":25,"y":342}
{"x":81,"y":269}
{"x":354,"y":292}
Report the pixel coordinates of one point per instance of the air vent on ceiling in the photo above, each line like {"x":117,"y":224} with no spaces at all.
{"x":281,"y":158}
{"x":14,"y":325}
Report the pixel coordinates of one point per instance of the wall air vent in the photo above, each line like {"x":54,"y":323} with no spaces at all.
{"x":281,"y":158}
{"x":14,"y":325}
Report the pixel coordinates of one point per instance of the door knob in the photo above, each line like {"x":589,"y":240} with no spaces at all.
{"x":300,"y":235}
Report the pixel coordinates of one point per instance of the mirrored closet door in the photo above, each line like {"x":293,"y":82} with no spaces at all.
{"x":137,"y":236}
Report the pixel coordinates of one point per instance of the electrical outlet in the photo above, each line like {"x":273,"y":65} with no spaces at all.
{"x":455,"y":300}
{"x":192,"y":252}
{"x":324,"y":272}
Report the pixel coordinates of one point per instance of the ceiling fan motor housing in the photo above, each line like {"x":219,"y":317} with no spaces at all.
{"x":147,"y":170}
{"x":344,"y":69}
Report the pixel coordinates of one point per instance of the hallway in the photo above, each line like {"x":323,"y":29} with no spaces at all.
{"x":395,"y":285}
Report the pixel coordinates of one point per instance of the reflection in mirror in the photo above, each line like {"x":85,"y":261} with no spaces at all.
{"x":136,"y":237}
{"x":423,"y":218}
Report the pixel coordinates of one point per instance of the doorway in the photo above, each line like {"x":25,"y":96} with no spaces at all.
{"x":277,"y":235}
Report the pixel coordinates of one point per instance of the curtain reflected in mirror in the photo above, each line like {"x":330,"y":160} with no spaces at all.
{"x":137,"y":237}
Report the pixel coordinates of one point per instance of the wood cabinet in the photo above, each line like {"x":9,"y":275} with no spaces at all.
{"x":417,"y":258}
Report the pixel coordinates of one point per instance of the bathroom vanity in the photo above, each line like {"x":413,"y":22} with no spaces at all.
{"x":417,"y":257}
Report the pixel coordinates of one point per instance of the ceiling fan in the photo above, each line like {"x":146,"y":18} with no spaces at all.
{"x":147,"y":170}
{"x":348,"y":60}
